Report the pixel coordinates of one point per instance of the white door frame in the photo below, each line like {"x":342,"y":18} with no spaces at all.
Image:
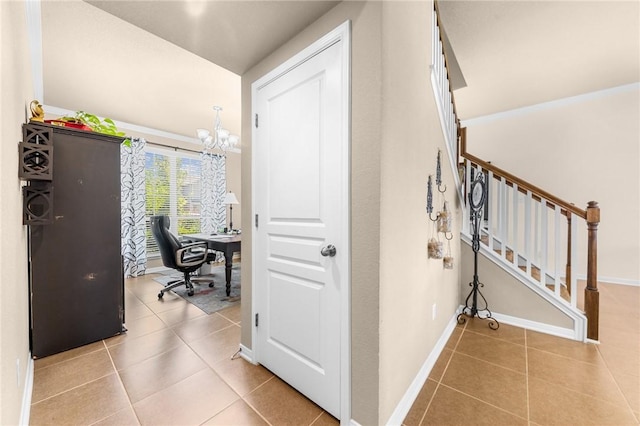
{"x":341,"y":34}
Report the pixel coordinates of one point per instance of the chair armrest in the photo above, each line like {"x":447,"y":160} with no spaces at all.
{"x":196,"y":257}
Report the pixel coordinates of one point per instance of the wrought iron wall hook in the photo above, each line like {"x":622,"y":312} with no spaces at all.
{"x":439,"y":174}
{"x":446,"y":235}
{"x":430,"y":199}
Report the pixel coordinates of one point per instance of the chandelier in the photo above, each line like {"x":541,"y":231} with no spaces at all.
{"x":221,"y":138}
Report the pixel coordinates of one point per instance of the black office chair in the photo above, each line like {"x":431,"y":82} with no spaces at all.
{"x":184,"y":257}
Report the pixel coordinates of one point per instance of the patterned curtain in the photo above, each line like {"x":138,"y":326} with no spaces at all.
{"x":132,"y":187}
{"x":213,"y":213}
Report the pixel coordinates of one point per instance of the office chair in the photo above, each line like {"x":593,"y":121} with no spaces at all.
{"x":183,"y":257}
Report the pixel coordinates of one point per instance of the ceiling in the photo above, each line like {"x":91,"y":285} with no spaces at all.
{"x":511,"y":53}
{"x":232,"y":34}
{"x":518,"y":53}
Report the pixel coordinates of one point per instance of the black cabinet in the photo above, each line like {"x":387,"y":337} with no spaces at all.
{"x":76,"y":279}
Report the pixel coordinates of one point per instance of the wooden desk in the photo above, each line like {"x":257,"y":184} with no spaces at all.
{"x":228,"y":244}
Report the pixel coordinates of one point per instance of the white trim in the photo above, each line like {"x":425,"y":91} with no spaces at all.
{"x":409,"y":397}
{"x":27,"y":393}
{"x":612,"y":280}
{"x":34,"y":36}
{"x":579,"y":319}
{"x":550,"y":105}
{"x":341,"y":34}
{"x":49,"y":109}
{"x":247,"y":354}
{"x":354,"y":423}
{"x":553,"y":330}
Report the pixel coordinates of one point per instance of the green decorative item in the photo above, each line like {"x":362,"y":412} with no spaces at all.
{"x":105,"y":126}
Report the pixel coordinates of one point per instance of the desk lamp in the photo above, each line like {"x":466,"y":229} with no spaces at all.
{"x":230,"y":199}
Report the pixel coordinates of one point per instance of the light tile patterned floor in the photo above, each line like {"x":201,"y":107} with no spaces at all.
{"x":174,"y":367}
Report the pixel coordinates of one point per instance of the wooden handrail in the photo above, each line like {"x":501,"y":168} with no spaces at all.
{"x":523,"y":186}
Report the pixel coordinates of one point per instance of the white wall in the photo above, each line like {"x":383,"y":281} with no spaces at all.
{"x":16,"y":91}
{"x":580,"y":149}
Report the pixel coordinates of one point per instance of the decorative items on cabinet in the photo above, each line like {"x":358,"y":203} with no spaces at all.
{"x":441,"y":222}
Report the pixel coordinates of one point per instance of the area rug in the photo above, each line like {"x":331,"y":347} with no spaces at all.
{"x":209,"y":299}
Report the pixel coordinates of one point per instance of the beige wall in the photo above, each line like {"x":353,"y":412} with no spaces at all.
{"x":507,"y":295}
{"x":394,"y":147}
{"x":365,"y":189}
{"x":410,"y":283}
{"x":583,"y":150}
{"x":16,"y":91}
{"x":135,"y":77}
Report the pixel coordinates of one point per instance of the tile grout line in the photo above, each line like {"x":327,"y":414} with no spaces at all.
{"x":484,"y":402}
{"x":624,"y":397}
{"x":442,"y":376}
{"x":251,"y":405}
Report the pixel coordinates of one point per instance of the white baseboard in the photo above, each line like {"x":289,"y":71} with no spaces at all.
{"x":409,"y":397}
{"x":26,"y":395}
{"x":612,"y":280}
{"x":567,"y":333}
{"x":246,"y":354}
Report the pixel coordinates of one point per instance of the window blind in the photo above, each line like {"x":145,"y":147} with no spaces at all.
{"x":173,"y":187}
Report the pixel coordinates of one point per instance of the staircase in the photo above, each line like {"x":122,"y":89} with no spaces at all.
{"x":527,"y":231}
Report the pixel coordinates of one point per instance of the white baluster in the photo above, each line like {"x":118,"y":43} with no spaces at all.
{"x":490,"y":209}
{"x":574,"y":258}
{"x":557,"y":249}
{"x":545,"y":236}
{"x":527,"y":231}
{"x":515,"y":224}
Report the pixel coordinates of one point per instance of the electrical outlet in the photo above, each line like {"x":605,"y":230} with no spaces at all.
{"x":434,"y":310}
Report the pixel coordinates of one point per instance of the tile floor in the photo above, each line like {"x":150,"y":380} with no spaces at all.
{"x":513,"y":376}
{"x":174,"y":367}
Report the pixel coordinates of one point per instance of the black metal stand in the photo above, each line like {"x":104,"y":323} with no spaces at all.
{"x":472,"y":310}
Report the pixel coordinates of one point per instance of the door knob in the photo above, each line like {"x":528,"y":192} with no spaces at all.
{"x":329,"y":250}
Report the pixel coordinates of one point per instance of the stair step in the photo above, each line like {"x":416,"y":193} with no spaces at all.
{"x":535,"y":271}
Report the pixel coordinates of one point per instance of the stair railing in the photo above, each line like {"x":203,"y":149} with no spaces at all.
{"x":445,"y":100}
{"x":528,"y":227}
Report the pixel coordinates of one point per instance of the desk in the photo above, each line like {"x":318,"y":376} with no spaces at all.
{"x":228,"y":244}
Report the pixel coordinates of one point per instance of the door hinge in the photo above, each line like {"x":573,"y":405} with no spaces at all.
{"x":257,"y":319}
{"x":256,"y":121}
{"x":256,"y":220}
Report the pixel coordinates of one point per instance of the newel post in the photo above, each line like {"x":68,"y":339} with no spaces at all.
{"x":591,"y":295}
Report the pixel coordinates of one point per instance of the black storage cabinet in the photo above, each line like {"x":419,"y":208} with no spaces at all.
{"x":76,"y":278}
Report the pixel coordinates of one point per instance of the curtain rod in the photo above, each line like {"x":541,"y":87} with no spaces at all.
{"x":175,"y":148}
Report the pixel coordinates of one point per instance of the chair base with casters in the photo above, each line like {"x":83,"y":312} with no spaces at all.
{"x":181,"y":256}
{"x":186,"y":281}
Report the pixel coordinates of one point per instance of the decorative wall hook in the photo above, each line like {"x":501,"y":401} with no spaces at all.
{"x":439,"y":174}
{"x":430,"y":199}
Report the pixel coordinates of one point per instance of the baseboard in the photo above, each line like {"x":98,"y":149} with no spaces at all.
{"x":409,"y":397}
{"x":28,"y":392}
{"x":567,"y":333}
{"x":246,"y":354}
{"x":612,"y":280}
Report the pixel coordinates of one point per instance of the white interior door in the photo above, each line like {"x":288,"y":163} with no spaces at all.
{"x":301,"y":199}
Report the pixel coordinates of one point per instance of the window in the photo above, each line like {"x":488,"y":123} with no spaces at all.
{"x":173,"y":187}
